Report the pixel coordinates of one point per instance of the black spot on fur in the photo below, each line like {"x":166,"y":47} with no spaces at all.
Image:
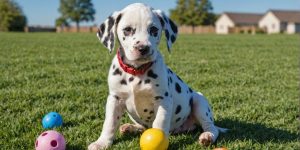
{"x":133,"y":32}
{"x":166,"y":94}
{"x":123,"y":38}
{"x":111,"y":22}
{"x":161,"y":21}
{"x":131,"y":79}
{"x":149,"y":117}
{"x":123,"y":81}
{"x":191,"y":102}
{"x":173,"y":26}
{"x":178,"y":88}
{"x":105,"y":40}
{"x":206,"y":114}
{"x":165,"y":18}
{"x":170,"y":78}
{"x":167,"y":34}
{"x":190,"y":90}
{"x":157,"y":85}
{"x":118,"y":117}
{"x":101,"y":30}
{"x":111,"y":40}
{"x":178,"y":119}
{"x":118,"y":18}
{"x":173,"y":38}
{"x":117,"y":71}
{"x":170,"y":71}
{"x":158,"y":97}
{"x":179,"y":78}
{"x":210,"y":119}
{"x":117,"y":97}
{"x":147,"y":81}
{"x":145,"y":110}
{"x":208,"y":110}
{"x":178,"y":109}
{"x":152,"y":74}
{"x":140,"y":82}
{"x":146,"y":126}
{"x":114,"y":66}
{"x":151,"y":112}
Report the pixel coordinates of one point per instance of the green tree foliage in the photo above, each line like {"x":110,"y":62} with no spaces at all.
{"x":61,"y":22}
{"x":12,"y":17}
{"x":193,"y":13}
{"x":76,"y":11}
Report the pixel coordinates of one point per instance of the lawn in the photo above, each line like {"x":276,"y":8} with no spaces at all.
{"x":252,"y":83}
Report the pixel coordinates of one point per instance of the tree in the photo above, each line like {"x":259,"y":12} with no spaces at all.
{"x":12,"y":17}
{"x":177,"y":14}
{"x":61,"y":22}
{"x":193,"y":13}
{"x":77,"y":11}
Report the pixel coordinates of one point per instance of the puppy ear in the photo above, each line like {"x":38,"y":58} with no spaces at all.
{"x":107,"y":30}
{"x":169,"y":27}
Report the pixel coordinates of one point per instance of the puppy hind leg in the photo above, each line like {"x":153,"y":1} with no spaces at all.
{"x":203,"y":114}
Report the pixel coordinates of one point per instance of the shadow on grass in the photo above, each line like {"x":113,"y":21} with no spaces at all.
{"x":69,"y":124}
{"x":238,"y":131}
{"x":183,"y":139}
{"x":76,"y":147}
{"x":256,"y":132}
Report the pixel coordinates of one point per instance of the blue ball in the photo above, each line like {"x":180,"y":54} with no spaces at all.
{"x":51,"y":120}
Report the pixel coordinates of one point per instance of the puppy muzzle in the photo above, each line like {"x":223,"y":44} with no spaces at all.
{"x":142,"y":49}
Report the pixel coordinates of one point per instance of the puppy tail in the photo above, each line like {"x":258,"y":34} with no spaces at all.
{"x":223,"y":130}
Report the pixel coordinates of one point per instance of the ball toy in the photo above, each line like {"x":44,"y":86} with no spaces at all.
{"x":51,"y":120}
{"x":50,"y":140}
{"x":154,"y":139}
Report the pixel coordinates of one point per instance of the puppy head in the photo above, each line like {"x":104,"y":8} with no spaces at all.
{"x":138,"y":28}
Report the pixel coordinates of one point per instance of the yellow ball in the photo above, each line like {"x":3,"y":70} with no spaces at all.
{"x":154,"y":139}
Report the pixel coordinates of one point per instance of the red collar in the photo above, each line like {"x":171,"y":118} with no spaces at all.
{"x":129,"y":69}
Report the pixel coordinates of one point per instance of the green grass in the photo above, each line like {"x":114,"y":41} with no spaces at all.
{"x":251,"y":82}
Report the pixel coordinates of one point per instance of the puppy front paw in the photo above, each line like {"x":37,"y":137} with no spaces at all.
{"x":130,"y":128}
{"x":98,"y":145}
{"x":206,"y":138}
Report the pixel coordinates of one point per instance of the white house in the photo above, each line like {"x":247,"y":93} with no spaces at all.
{"x":229,"y":20}
{"x":281,"y":21}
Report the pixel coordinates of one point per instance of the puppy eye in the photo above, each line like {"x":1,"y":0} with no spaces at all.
{"x":128,"y":31}
{"x":153,"y":31}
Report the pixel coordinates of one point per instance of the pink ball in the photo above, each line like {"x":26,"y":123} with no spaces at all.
{"x":50,"y":140}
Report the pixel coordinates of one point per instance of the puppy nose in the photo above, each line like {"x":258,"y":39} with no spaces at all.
{"x":143,"y":49}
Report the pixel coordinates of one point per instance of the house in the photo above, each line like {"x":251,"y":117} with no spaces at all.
{"x":228,"y":22}
{"x":281,"y":21}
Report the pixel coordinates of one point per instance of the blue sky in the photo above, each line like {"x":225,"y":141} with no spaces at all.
{"x":44,"y":12}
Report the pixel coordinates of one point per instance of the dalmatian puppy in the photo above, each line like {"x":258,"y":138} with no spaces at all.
{"x":142,"y":85}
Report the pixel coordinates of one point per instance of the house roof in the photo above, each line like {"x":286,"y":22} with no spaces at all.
{"x":287,"y":15}
{"x":244,"y":18}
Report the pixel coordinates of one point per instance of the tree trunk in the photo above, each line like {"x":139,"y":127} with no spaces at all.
{"x":77,"y":26}
{"x":193,"y":29}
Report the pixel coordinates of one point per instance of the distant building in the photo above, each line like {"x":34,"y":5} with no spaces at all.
{"x":281,"y":21}
{"x":228,"y":21}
